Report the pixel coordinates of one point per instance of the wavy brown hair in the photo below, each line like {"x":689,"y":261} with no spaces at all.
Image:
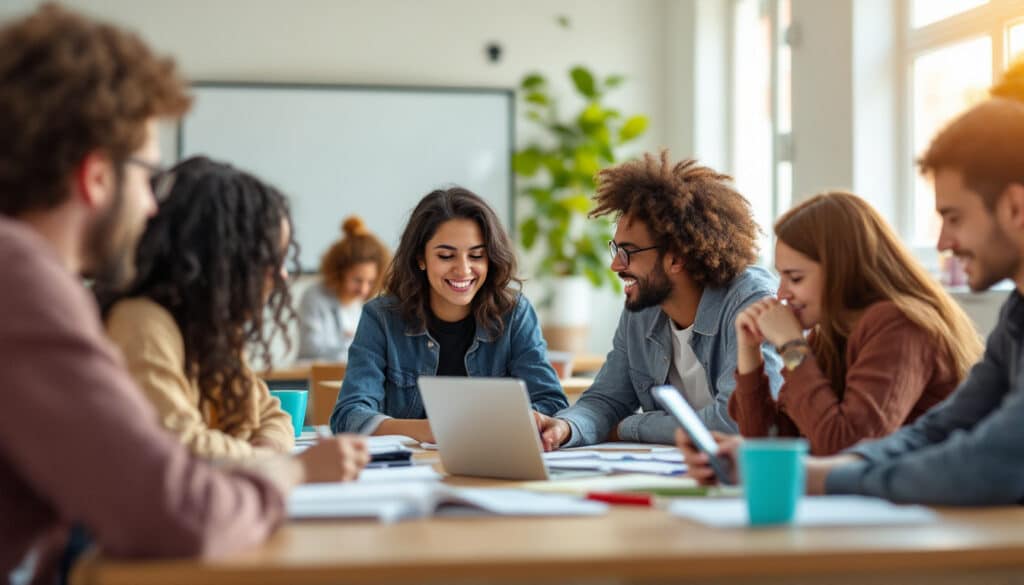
{"x":70,"y":86}
{"x":357,"y":246}
{"x":206,"y":257}
{"x":863,"y":262}
{"x":691,"y":211}
{"x":409,"y":285}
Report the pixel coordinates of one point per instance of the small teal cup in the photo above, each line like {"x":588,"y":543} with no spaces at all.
{"x":294,"y":403}
{"x":773,"y":477}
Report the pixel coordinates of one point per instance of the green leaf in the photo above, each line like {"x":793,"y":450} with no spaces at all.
{"x":584,"y":81}
{"x":586,"y":163}
{"x":593,"y":276}
{"x":633,"y":127}
{"x":529,"y":229}
{"x":537,"y":98}
{"x":606,"y":153}
{"x":535,"y":116}
{"x":614,"y":81}
{"x":527,"y":162}
{"x":563,"y":21}
{"x":532,"y":81}
{"x":577,"y":203}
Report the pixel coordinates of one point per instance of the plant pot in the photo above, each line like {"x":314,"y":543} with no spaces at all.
{"x":567,"y":326}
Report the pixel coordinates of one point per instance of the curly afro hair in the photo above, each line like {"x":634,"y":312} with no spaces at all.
{"x":690,"y":210}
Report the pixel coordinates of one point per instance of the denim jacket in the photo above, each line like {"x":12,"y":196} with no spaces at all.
{"x":641,"y":357}
{"x":387,"y":356}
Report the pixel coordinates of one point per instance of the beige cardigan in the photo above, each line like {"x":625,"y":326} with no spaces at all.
{"x":154,"y":352}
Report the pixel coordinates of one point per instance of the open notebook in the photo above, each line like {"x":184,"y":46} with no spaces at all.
{"x":389,"y":502}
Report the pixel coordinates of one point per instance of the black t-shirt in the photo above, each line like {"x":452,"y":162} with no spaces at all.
{"x":455,"y":340}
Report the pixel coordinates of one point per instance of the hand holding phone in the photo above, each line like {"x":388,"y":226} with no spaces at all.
{"x":674,"y":403}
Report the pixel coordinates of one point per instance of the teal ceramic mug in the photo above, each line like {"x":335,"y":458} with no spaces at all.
{"x":294,"y":403}
{"x":772,"y":471}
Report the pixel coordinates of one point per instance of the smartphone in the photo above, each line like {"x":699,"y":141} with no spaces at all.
{"x":673,"y":402}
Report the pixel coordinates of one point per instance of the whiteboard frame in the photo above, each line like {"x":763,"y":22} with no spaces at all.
{"x":508,"y":93}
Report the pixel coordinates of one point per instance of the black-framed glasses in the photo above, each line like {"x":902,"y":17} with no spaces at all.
{"x":160,"y":179}
{"x":622,"y":254}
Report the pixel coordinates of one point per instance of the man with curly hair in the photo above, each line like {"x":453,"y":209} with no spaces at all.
{"x":79,"y":445}
{"x":684,"y":247}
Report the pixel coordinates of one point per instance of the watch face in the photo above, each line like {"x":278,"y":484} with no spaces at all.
{"x":793,"y":358}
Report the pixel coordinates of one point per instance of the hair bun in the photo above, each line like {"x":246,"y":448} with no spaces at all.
{"x":354,"y":226}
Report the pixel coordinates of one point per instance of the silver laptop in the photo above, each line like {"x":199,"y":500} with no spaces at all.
{"x":484,"y":427}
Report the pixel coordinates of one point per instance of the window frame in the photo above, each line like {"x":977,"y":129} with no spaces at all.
{"x":993,"y":20}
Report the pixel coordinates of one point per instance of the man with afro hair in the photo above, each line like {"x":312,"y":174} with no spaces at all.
{"x":684,"y":246}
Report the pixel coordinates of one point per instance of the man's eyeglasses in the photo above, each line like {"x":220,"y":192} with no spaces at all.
{"x":160,"y":178}
{"x":622,"y":254}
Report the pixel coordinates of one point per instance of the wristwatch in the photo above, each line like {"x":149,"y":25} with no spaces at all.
{"x":793,"y":353}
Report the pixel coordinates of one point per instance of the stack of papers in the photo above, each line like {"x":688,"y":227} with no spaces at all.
{"x":655,"y":462}
{"x":811,"y":511}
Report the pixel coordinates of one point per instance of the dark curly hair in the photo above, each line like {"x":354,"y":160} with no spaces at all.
{"x":690,"y":210}
{"x":409,"y":285}
{"x":70,"y":86}
{"x":206,"y":257}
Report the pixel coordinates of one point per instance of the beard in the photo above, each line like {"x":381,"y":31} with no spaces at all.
{"x":111,"y":241}
{"x":999,"y":260}
{"x":650,"y":291}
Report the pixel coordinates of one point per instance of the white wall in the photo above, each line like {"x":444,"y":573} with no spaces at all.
{"x":419,"y":42}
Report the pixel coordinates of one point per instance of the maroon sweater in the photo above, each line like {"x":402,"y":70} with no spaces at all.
{"x":80,"y":444}
{"x":894,"y":373}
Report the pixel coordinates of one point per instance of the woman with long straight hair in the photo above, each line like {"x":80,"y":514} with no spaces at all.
{"x":886,"y":342}
{"x":449,"y":309}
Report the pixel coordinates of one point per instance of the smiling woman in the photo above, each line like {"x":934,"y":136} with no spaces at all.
{"x":449,"y":310}
{"x":887,"y":343}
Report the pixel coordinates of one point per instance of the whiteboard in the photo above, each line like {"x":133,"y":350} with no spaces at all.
{"x":336,"y":150}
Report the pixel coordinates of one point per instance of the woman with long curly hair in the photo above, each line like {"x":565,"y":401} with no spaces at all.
{"x":351,"y":272}
{"x":448,"y":310}
{"x":210,"y":273}
{"x":886,"y":342}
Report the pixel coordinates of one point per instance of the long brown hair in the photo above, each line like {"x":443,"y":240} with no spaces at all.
{"x":409,"y":284}
{"x":864,"y":263}
{"x":357,"y":246}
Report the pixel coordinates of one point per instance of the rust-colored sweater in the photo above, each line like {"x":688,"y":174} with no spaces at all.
{"x":79,"y":443}
{"x":894,"y":373}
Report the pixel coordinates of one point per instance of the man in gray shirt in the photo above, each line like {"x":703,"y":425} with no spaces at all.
{"x":968,"y":450}
{"x":684,"y":245}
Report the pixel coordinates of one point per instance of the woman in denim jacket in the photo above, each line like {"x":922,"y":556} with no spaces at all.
{"x":448,"y":311}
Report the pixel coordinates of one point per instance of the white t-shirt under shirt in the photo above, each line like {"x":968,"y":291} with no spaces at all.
{"x":686,"y":373}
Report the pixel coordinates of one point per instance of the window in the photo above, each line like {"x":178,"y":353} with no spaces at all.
{"x":955,"y":50}
{"x":946,"y":82}
{"x":925,"y":12}
{"x":760,"y":117}
{"x":1015,"y":47}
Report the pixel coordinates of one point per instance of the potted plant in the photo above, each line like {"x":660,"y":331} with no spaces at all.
{"x":555,"y":174}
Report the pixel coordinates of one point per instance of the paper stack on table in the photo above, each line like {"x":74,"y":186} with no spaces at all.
{"x":656,"y":462}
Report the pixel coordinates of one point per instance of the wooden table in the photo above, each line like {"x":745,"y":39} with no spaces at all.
{"x":629,"y":545}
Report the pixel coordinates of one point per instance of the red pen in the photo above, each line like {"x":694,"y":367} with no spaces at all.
{"x":619,"y":498}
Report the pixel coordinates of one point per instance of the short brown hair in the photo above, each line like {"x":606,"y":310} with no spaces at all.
{"x":70,"y":86}
{"x":985,"y":144}
{"x":690,"y":210}
{"x":356,"y":246}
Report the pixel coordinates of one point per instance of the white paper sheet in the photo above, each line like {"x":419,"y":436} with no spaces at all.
{"x":812,"y":511}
